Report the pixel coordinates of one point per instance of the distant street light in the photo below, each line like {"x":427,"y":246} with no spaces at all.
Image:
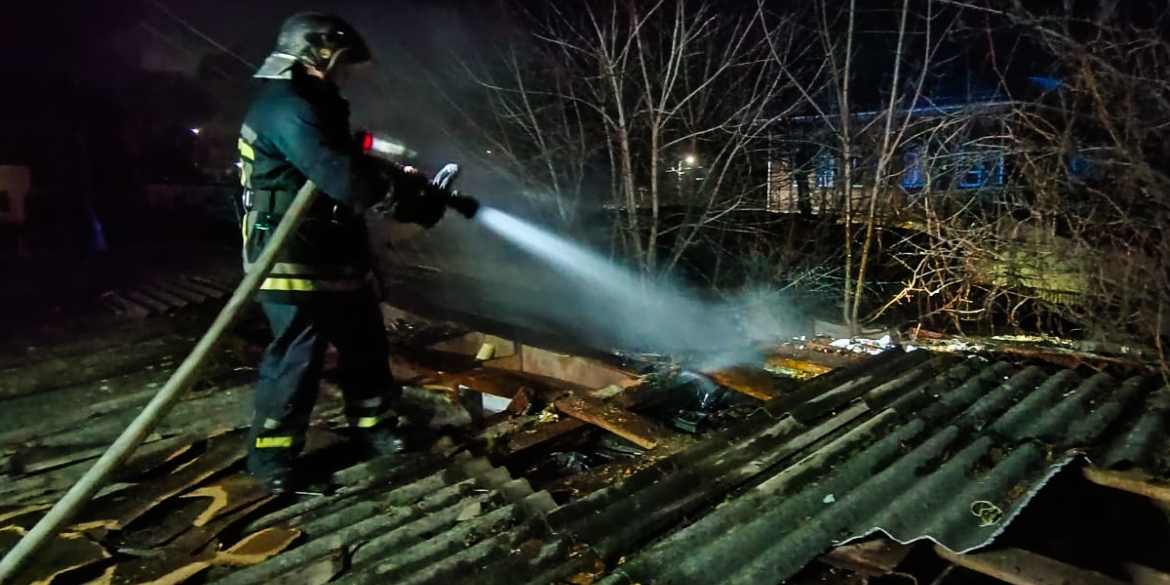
{"x":690,"y":160}
{"x":196,"y":131}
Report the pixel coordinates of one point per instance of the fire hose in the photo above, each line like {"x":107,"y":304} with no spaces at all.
{"x":158,"y":407}
{"x":144,"y":424}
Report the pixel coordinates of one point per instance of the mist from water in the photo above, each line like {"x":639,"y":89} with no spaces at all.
{"x":639,"y":314}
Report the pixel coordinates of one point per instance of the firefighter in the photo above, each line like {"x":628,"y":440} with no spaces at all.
{"x":320,"y":291}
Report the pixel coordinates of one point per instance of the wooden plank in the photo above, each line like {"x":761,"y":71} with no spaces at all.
{"x":814,"y":354}
{"x":800,"y":369}
{"x":582,"y":484}
{"x":634,"y":428}
{"x":487,"y":380}
{"x":748,"y":381}
{"x":528,"y":438}
{"x":521,"y":403}
{"x":496,"y":383}
{"x":522,"y":433}
{"x":574,"y":369}
{"x":874,"y":557}
{"x":1135,"y":481}
{"x":471,"y":344}
{"x":512,"y":362}
{"x":1020,"y":567}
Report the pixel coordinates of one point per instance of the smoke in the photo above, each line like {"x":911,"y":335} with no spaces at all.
{"x":528,"y":276}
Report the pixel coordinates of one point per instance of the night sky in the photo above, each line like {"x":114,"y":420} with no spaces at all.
{"x":390,"y":95}
{"x":102,"y":44}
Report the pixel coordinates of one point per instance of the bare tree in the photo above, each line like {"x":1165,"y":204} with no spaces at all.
{"x":866,"y":133}
{"x":671,"y":100}
{"x":529,"y":123}
{"x":1095,"y":163}
{"x":1073,"y":242}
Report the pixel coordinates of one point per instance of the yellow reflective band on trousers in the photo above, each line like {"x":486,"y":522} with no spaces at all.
{"x":367,"y":422}
{"x":282,"y":283}
{"x":247,"y":157}
{"x":274,"y":442}
{"x":294,"y":277}
{"x":295,"y":269}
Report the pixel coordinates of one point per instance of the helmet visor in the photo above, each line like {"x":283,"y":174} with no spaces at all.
{"x":276,"y":66}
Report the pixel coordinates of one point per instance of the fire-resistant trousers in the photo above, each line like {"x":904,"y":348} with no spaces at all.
{"x":291,"y":368}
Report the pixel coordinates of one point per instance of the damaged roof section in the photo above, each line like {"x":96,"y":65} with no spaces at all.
{"x":916,"y":445}
{"x":944,"y":449}
{"x":380,"y":531}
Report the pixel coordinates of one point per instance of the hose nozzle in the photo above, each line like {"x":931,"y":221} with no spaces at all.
{"x":463,"y":205}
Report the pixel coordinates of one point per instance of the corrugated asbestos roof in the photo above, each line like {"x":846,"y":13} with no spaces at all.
{"x":384,"y":530}
{"x":922,"y":448}
{"x":915,"y":445}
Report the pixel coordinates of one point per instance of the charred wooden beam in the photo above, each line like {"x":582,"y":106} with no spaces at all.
{"x":1021,"y":567}
{"x":630,"y":426}
{"x":874,"y":557}
{"x":1133,"y":481}
{"x":748,"y":381}
{"x":523,"y":440}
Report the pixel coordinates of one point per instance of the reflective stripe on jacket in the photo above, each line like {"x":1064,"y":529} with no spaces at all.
{"x":296,"y":130}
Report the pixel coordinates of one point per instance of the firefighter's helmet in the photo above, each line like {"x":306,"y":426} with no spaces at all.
{"x":320,"y":40}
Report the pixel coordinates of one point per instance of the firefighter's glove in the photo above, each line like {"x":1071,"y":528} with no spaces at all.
{"x":416,"y":200}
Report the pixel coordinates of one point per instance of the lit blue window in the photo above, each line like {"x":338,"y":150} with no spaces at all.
{"x":826,"y":171}
{"x":913,"y":177}
{"x":972,"y":179}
